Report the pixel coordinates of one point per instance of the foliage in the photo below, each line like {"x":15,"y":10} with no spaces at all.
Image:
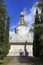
{"x":4,"y":28}
{"x":41,"y":30}
{"x":36,"y":41}
{"x":37,"y":61}
{"x":38,"y":32}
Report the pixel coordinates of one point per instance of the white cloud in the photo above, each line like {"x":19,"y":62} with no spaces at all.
{"x":11,"y":34}
{"x":12,"y":28}
{"x":29,"y":15}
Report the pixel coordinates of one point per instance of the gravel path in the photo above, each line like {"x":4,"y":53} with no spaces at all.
{"x":15,"y":61}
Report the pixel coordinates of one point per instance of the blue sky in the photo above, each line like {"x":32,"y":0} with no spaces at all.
{"x":14,"y":7}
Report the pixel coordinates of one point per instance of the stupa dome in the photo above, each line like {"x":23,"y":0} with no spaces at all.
{"x":21,"y":31}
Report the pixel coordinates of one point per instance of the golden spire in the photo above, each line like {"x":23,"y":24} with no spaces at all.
{"x":22,"y":19}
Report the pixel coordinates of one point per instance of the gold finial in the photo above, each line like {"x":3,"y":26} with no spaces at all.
{"x":22,"y":19}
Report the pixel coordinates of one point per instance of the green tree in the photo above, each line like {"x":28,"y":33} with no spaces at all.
{"x":36,"y":41}
{"x":2,"y":25}
{"x":41,"y":35}
{"x":40,"y":5}
{"x":7,"y":35}
{"x":3,"y":29}
{"x":38,"y":33}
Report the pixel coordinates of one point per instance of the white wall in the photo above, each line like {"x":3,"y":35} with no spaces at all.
{"x":16,"y":49}
{"x":30,"y":50}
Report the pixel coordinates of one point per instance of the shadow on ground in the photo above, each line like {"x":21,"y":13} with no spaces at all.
{"x":26,"y":59}
{"x":21,"y":61}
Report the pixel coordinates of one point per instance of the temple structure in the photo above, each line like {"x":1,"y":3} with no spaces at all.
{"x":21,"y":36}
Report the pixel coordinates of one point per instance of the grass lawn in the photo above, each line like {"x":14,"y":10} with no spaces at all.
{"x":6,"y":60}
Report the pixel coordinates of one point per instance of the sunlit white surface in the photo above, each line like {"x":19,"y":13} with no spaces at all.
{"x":16,"y":49}
{"x":22,"y":35}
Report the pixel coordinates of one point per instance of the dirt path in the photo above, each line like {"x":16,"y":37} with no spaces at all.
{"x":15,"y":61}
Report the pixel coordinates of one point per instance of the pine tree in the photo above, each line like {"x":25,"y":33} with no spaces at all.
{"x":40,"y":5}
{"x":3,"y":45}
{"x":38,"y":38}
{"x":36,"y":41}
{"x":7,"y":35}
{"x":2,"y":25}
{"x":41,"y":31}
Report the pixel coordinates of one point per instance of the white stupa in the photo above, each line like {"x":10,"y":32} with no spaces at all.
{"x":19,"y":38}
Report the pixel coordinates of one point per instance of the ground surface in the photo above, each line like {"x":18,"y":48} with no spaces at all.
{"x":16,"y":61}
